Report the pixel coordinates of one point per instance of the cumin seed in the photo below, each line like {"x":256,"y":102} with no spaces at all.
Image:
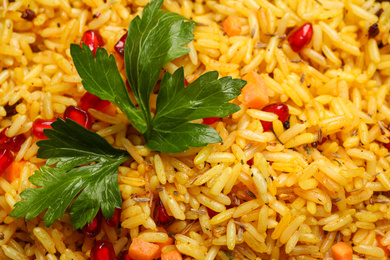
{"x":319,"y":135}
{"x":188,"y":227}
{"x":296,"y":60}
{"x":140,"y":200}
{"x":240,"y":224}
{"x":302,"y":78}
{"x":382,"y":127}
{"x":250,"y":194}
{"x":199,"y":212}
{"x":160,"y":188}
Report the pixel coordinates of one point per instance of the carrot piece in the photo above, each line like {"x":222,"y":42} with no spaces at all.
{"x":342,"y":251}
{"x":142,"y":250}
{"x":13,"y":171}
{"x":386,"y":249}
{"x":255,"y":92}
{"x":173,"y":255}
{"x":232,"y":26}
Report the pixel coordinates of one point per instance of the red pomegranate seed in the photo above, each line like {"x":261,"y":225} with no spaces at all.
{"x":93,"y":40}
{"x":186,"y":82}
{"x":114,"y":220}
{"x":91,"y":101}
{"x":103,"y":250}
{"x":39,"y":125}
{"x":6,"y":158}
{"x":250,"y":162}
{"x":211,"y":212}
{"x":14,"y":144}
{"x":79,"y":116}
{"x":301,"y":37}
{"x":124,"y":255}
{"x":280,"y":109}
{"x":162,"y":216}
{"x":11,"y":143}
{"x":3,"y":137}
{"x":93,"y":228}
{"x":120,"y":45}
{"x":210,"y":120}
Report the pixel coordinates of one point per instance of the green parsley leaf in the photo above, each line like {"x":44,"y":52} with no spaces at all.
{"x":177,"y":105}
{"x":153,"y":40}
{"x":89,"y":187}
{"x":101,"y":77}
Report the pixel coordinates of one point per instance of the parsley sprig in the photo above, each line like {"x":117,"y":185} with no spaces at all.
{"x":153,"y":40}
{"x":88,"y":187}
{"x":81,"y":170}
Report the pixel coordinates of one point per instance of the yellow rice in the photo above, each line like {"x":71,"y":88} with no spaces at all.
{"x":301,"y":195}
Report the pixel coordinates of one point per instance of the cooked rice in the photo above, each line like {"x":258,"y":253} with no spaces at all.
{"x":325,"y":179}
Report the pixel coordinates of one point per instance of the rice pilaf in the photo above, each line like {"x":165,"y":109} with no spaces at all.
{"x":290,"y":193}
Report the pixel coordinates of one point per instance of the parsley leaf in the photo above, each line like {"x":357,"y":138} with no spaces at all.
{"x":177,"y":105}
{"x":101,"y":77}
{"x":89,"y":187}
{"x":153,"y":40}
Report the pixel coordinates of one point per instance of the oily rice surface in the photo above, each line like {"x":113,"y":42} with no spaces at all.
{"x":323,"y":180}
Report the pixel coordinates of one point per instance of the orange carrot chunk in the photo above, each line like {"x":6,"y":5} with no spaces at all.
{"x":342,"y":251}
{"x":142,"y":250}
{"x":13,"y":171}
{"x":255,"y":92}
{"x":173,"y":255}
{"x":232,"y":26}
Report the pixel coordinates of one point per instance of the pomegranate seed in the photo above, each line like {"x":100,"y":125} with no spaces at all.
{"x":210,"y":120}
{"x":114,"y":220}
{"x":387,"y":146}
{"x":39,"y":125}
{"x":186,"y":83}
{"x":91,"y":101}
{"x":120,"y":45}
{"x":14,"y":144}
{"x":301,"y":37}
{"x":11,"y":143}
{"x":279,"y":109}
{"x":79,"y":116}
{"x":93,"y":40}
{"x":124,"y":255}
{"x":211,"y":212}
{"x":250,"y":162}
{"x":6,"y":158}
{"x":3,"y":137}
{"x":93,"y":228}
{"x":28,"y":15}
{"x":103,"y":250}
{"x":162,"y":216}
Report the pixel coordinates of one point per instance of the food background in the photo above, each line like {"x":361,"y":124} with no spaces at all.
{"x":326,"y":174}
